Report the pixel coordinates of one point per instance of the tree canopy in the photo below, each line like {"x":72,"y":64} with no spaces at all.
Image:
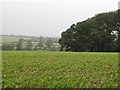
{"x":99,"y":33}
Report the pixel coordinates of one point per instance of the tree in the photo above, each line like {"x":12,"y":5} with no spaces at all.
{"x":98,"y":33}
{"x":10,"y":46}
{"x":40,"y":43}
{"x":118,"y":40}
{"x":49,"y":43}
{"x":29,"y":45}
{"x":19,"y":44}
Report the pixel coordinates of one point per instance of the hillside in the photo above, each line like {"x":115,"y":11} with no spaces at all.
{"x":10,"y":42}
{"x":15,"y":38}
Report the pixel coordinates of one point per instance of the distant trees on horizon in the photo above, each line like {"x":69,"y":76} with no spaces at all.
{"x":31,"y":44}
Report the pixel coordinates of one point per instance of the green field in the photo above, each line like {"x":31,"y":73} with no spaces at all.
{"x":35,"y":69}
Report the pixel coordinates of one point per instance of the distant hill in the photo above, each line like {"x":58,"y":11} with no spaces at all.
{"x":15,"y":38}
{"x":10,"y":42}
{"x":10,"y":38}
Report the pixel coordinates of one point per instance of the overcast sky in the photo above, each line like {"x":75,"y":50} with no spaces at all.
{"x":48,"y":17}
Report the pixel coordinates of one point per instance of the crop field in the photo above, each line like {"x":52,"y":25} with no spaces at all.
{"x":37,"y":69}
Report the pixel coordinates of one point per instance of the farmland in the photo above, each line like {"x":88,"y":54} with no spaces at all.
{"x":37,"y":69}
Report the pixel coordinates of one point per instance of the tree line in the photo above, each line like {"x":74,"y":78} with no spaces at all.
{"x":29,"y":44}
{"x":100,"y":34}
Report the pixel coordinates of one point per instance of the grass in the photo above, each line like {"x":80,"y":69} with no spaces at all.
{"x":35,"y":69}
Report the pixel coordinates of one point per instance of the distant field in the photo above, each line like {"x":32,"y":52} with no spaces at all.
{"x":34,"y":69}
{"x":8,"y":39}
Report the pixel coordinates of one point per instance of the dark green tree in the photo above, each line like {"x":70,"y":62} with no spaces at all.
{"x":99,"y":33}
